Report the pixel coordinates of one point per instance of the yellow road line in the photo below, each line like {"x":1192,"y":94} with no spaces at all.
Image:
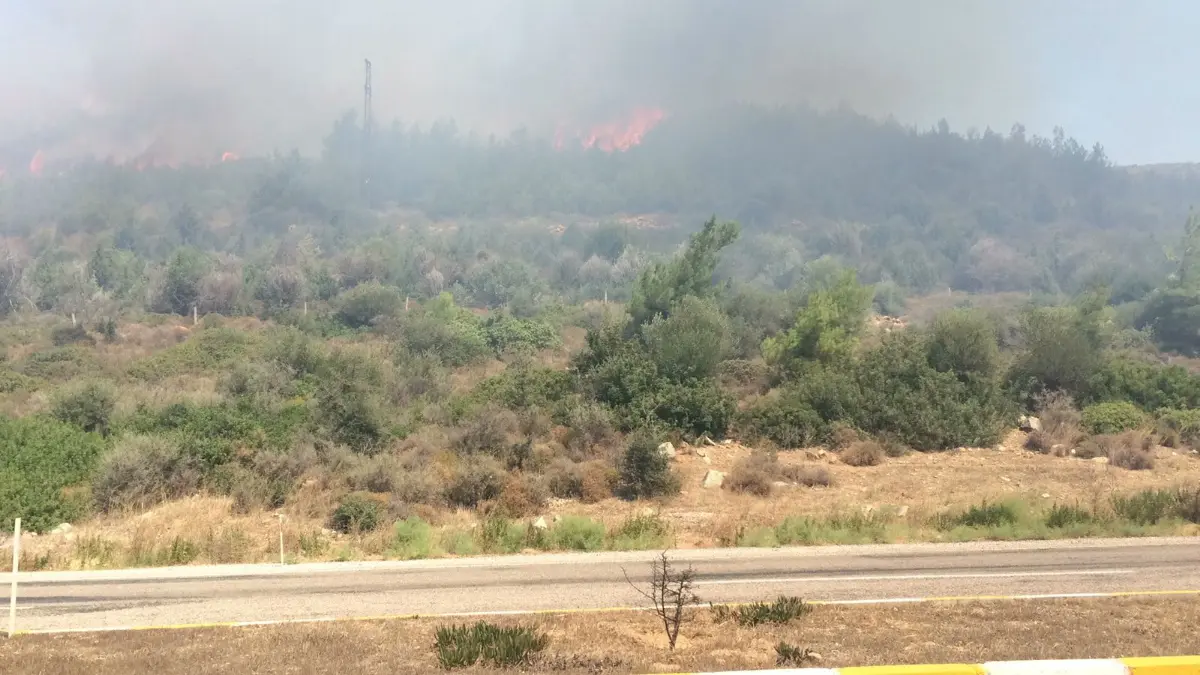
{"x":606,"y":610}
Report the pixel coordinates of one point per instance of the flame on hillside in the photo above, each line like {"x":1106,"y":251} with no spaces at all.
{"x":615,"y":136}
{"x":229,"y":157}
{"x":37,"y":164}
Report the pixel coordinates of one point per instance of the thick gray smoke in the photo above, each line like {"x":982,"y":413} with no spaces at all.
{"x":197,"y":77}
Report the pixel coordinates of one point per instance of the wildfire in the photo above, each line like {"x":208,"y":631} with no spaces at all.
{"x":229,"y":157}
{"x":37,"y":164}
{"x":616,"y":136}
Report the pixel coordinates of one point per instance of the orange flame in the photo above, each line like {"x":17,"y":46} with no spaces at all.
{"x":229,"y":157}
{"x":621,"y":136}
{"x":37,"y":163}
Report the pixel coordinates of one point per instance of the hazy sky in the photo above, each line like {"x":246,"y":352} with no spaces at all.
{"x":116,"y":76}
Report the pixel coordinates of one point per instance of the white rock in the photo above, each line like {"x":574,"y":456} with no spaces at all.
{"x":540,"y":524}
{"x":667,"y":450}
{"x":713,"y":479}
{"x":1100,"y":460}
{"x":62,"y":528}
{"x":1029,"y":423}
{"x":1045,"y":495}
{"x":902,"y":511}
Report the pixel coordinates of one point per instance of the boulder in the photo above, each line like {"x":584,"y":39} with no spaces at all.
{"x":540,"y":524}
{"x":63,"y":528}
{"x":713,"y":479}
{"x":667,"y":450}
{"x":1100,"y":460}
{"x":1029,"y":423}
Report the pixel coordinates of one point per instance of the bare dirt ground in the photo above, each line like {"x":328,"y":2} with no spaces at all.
{"x":960,"y":632}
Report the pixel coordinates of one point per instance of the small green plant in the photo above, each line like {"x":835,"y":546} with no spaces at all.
{"x":1064,"y":515}
{"x":640,"y":533}
{"x":462,"y":646}
{"x":412,"y":538}
{"x":646,"y":472}
{"x":784,"y":610}
{"x":357,"y":512}
{"x":1147,"y":507}
{"x":791,"y":655}
{"x":577,"y":533}
{"x":982,"y":515}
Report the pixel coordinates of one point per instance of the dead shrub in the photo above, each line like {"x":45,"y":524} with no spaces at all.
{"x":597,"y":481}
{"x":842,"y":436}
{"x":1039,"y":441}
{"x":489,"y":432}
{"x":564,"y":479}
{"x":589,"y":428}
{"x":1131,"y":450}
{"x":476,"y":482}
{"x":142,"y":471}
{"x":808,"y":475}
{"x":863,"y":453}
{"x":522,"y":496}
{"x":1061,"y":420}
{"x":754,"y":474}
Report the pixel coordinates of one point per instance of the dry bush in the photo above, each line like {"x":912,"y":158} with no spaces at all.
{"x":597,"y":481}
{"x":522,"y":496}
{"x":863,"y":453}
{"x":477,"y":481}
{"x":1061,"y":420}
{"x":808,"y":475}
{"x":754,"y":474}
{"x":842,"y":436}
{"x":1131,"y":450}
{"x":564,"y":479}
{"x":590,"y":428}
{"x":141,"y":471}
{"x":1041,"y":441}
{"x":490,"y":431}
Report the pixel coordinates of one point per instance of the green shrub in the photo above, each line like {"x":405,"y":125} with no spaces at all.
{"x":1180,"y":426}
{"x":645,"y":472}
{"x":88,"y":406}
{"x":207,"y":350}
{"x":60,"y":363}
{"x":784,"y":610}
{"x":357,"y":512}
{"x":696,"y":408}
{"x":506,"y":333}
{"x":412,"y":539}
{"x":1112,"y":417}
{"x":982,"y":515}
{"x":1147,"y":507}
{"x":785,"y":421}
{"x":487,"y":644}
{"x":479,"y":480}
{"x":640,"y":533}
{"x":1063,"y":515}
{"x":577,"y":533}
{"x":141,"y":471}
{"x":41,"y":459}
{"x":361,"y":305}
{"x":11,"y":381}
{"x":62,"y":336}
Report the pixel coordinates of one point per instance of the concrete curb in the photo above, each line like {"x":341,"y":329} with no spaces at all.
{"x":1166,"y":665}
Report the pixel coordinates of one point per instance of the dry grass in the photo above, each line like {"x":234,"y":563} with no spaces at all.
{"x":967,"y":632}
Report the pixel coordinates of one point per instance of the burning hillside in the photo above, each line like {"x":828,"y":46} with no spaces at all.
{"x":614,"y":136}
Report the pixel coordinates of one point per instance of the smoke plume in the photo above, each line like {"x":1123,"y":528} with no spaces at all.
{"x":197,"y":78}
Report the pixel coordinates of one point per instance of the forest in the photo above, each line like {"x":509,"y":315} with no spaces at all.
{"x":423,"y":318}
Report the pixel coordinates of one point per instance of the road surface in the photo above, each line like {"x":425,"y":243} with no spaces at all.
{"x":51,"y":601}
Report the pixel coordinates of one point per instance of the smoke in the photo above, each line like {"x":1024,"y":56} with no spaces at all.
{"x":196,"y":78}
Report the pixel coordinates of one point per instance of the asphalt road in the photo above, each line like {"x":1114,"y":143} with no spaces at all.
{"x":51,"y":601}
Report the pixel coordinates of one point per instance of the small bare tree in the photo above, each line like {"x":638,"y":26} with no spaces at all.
{"x":670,"y":593}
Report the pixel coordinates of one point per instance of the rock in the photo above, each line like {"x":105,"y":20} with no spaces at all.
{"x":727,"y":441}
{"x":63,"y":528}
{"x":1006,"y":479}
{"x":713,"y":479}
{"x":1100,"y":460}
{"x":902,"y":511}
{"x":781,"y":484}
{"x":819,"y":453}
{"x":707,"y":460}
{"x":701,"y":453}
{"x":540,"y":524}
{"x":868,"y":510}
{"x":667,"y":450}
{"x":1045,"y":495}
{"x":814,"y":657}
{"x":1029,"y":423}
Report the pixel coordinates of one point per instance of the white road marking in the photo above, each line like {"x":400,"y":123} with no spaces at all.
{"x":914,"y":577}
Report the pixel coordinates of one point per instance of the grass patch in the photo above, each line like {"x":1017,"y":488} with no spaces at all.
{"x":577,"y":533}
{"x":640,"y":533}
{"x":412,"y":539}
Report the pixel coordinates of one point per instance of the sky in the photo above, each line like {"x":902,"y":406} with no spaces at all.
{"x":115,"y":77}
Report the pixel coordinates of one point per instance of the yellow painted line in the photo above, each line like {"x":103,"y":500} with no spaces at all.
{"x":608,"y":610}
{"x":943,"y":669}
{"x":1164,"y":665}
